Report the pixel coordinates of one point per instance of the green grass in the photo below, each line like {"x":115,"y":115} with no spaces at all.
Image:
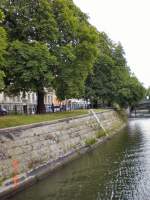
{"x":90,"y":141}
{"x":100,"y":134}
{"x":17,"y":120}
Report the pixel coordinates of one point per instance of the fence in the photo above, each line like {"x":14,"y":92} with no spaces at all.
{"x":20,"y":108}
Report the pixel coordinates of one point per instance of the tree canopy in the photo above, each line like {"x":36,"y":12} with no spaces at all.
{"x":67,"y":35}
{"x":76,"y":49}
{"x":112,"y":81}
{"x":52,"y":44}
{"x":3,"y":45}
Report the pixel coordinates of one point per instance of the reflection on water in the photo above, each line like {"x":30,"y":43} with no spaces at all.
{"x":118,"y":170}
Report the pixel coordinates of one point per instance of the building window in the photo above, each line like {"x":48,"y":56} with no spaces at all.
{"x":5,"y":98}
{"x":18,"y":98}
{"x":28,"y":97}
{"x":33,"y":97}
{"x":49,"y":99}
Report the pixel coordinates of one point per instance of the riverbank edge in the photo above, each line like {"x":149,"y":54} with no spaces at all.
{"x":34,"y":125}
{"x":45,"y":170}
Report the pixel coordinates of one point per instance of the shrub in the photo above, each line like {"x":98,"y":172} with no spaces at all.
{"x":90,"y":141}
{"x":100,"y":134}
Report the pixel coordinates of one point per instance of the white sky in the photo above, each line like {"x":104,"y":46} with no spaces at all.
{"x":127,"y":21}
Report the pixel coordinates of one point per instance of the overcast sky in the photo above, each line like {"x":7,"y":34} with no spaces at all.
{"x":127,"y":21}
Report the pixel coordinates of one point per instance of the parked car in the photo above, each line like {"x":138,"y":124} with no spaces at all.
{"x":3,"y":111}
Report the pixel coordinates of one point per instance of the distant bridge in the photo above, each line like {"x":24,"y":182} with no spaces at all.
{"x":142,"y":109}
{"x":145,"y":104}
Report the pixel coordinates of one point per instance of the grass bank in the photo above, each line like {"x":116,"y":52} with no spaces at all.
{"x":17,"y":120}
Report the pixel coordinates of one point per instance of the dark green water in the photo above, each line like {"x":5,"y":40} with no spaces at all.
{"x":118,"y":169}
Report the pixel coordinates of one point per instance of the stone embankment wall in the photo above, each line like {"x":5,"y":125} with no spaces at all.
{"x":29,"y":151}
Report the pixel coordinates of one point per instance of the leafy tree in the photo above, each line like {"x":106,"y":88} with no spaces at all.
{"x":31,"y":23}
{"x":31,"y":71}
{"x":98,"y":84}
{"x":76,"y":49}
{"x":64,"y":29}
{"x":111,"y":81}
{"x":118,"y":55}
{"x":28,"y":20}
{"x":128,"y":90}
{"x":137,"y":91}
{"x":3,"y":45}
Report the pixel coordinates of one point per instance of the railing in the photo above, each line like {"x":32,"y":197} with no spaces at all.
{"x":19,"y":108}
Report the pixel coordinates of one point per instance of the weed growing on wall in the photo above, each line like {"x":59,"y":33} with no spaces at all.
{"x":100,"y":134}
{"x":90,"y":141}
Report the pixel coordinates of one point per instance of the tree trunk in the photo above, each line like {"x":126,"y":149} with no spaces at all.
{"x":95,"y":103}
{"x":40,"y":102}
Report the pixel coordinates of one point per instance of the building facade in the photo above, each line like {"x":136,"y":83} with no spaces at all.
{"x":27,"y":103}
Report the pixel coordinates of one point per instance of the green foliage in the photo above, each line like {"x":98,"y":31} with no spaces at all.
{"x":70,"y":39}
{"x":32,"y":68}
{"x":32,"y":32}
{"x":29,"y":20}
{"x":1,"y":181}
{"x":2,"y":75}
{"x":52,"y":44}
{"x":14,"y":120}
{"x":100,"y":134}
{"x":3,"y":45}
{"x":131,"y":92}
{"x":90,"y":141}
{"x":111,"y":81}
{"x":76,"y":49}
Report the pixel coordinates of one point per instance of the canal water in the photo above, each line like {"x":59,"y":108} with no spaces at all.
{"x":118,"y":169}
